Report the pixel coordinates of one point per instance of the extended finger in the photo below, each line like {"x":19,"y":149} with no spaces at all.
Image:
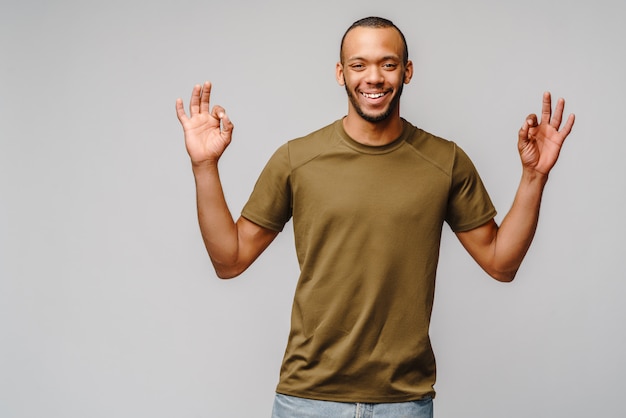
{"x":194,"y":103}
{"x":180,"y":111}
{"x":546,"y":108}
{"x":567,"y":128}
{"x":205,"y":95}
{"x":555,"y":122}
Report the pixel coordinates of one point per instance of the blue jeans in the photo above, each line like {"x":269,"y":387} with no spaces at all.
{"x":292,"y":407}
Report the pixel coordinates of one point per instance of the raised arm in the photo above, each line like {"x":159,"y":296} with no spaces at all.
{"x":499,"y":250}
{"x":232,"y":246}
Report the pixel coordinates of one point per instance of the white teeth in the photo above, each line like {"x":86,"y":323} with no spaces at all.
{"x":373,"y":96}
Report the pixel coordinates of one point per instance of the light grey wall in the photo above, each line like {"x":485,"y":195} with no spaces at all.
{"x":108,"y":304}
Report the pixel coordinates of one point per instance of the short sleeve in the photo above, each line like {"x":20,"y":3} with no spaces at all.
{"x":469,"y":204}
{"x":270,"y":204}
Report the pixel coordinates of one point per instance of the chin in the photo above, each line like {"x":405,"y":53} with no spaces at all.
{"x":381,"y":117}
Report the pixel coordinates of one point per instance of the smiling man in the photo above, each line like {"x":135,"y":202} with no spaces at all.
{"x":368,"y":195}
{"x":374,"y":82}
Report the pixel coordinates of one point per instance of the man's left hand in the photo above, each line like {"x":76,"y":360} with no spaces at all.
{"x":540,"y":143}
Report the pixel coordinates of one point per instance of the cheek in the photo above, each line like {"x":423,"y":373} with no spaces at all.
{"x":349,"y":82}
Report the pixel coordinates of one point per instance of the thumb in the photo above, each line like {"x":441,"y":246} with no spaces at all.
{"x":525,"y":130}
{"x":530,"y":122}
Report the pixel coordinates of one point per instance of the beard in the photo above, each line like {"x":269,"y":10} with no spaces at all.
{"x":374,"y":118}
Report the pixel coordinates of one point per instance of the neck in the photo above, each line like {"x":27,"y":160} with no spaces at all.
{"x":373,"y":133}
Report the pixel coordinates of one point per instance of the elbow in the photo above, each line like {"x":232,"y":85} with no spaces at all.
{"x":504,"y":276}
{"x":226,"y":272}
{"x":225,"y":275}
{"x":226,"y":268}
{"x":502,"y":270}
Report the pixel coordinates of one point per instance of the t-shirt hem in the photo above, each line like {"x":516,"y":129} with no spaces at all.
{"x":361,"y":399}
{"x":262,"y":222}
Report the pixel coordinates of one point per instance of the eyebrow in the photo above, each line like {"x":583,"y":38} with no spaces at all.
{"x":385,"y":58}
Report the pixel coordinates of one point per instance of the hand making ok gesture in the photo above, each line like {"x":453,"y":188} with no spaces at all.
{"x":207,"y":134}
{"x":540,"y":143}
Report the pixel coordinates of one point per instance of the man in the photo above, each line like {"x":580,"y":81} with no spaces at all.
{"x":368,"y":196}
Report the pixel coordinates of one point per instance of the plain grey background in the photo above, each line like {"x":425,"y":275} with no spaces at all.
{"x":108,"y":304}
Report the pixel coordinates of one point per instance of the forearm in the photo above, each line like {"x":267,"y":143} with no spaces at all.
{"x":219,"y":231}
{"x":516,"y":232}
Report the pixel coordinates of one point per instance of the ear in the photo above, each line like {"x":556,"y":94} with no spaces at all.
{"x":408,"y":72}
{"x":339,"y":74}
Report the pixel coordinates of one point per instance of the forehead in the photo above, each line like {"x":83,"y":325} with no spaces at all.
{"x":365,"y":42}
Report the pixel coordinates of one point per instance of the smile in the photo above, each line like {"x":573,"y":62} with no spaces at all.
{"x":373,"y":95}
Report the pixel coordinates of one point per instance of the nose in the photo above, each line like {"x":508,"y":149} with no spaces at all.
{"x":374,"y":75}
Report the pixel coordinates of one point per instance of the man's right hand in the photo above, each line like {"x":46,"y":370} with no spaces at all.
{"x":207,"y":134}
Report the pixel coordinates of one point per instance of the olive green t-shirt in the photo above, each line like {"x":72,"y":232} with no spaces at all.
{"x":367,"y":224}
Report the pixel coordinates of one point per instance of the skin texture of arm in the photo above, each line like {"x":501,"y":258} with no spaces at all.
{"x":499,"y":250}
{"x":232,"y":246}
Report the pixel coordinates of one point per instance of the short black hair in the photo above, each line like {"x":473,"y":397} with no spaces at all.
{"x":377,"y":23}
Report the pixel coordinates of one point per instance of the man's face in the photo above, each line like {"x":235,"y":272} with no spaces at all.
{"x":373,"y":73}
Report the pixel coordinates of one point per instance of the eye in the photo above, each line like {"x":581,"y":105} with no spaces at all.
{"x":357,"y":67}
{"x":390,"y":66}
